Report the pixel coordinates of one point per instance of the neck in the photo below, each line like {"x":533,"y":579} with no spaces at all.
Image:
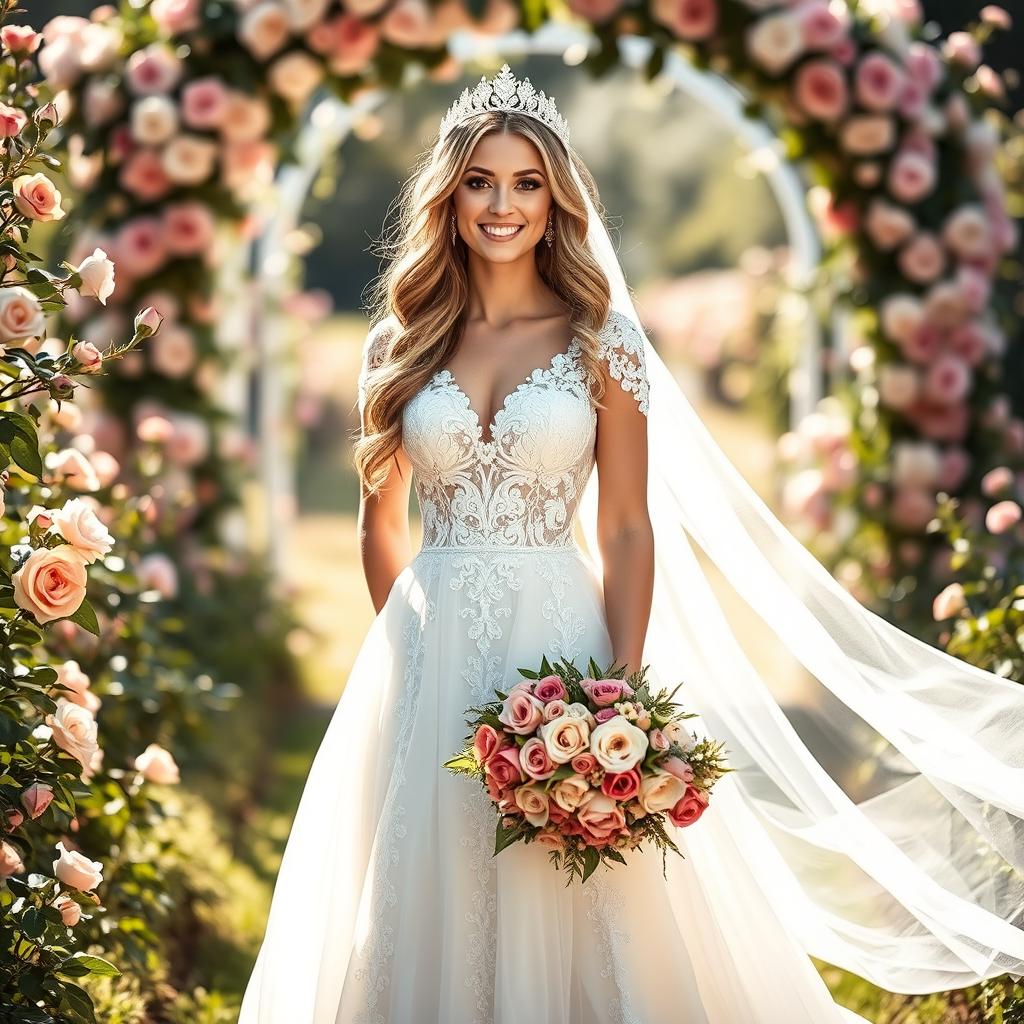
{"x":502,"y":292}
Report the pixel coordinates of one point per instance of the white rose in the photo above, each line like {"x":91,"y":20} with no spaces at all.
{"x":618,"y":744}
{"x":577,"y":710}
{"x":898,"y":385}
{"x":189,"y":159}
{"x":264,"y":30}
{"x":676,"y":733}
{"x":915,"y":464}
{"x":21,"y":316}
{"x":304,"y":14}
{"x":74,"y":730}
{"x":154,"y":120}
{"x":775,"y":41}
{"x":97,"y":273}
{"x":76,"y":870}
{"x":82,"y":529}
{"x":157,"y":764}
{"x":565,"y":737}
{"x":660,"y":792}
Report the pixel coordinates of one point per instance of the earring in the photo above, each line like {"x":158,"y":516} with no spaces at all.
{"x":549,"y":234}
{"x":454,"y":229}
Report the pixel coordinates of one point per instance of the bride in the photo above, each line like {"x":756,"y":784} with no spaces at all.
{"x":506,"y":363}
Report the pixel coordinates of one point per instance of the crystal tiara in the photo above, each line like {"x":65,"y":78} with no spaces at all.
{"x":505,"y":92}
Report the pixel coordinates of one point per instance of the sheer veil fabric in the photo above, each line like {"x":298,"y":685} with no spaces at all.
{"x":918,"y":887}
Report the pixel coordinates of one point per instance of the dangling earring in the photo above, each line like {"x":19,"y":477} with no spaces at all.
{"x":549,"y":234}
{"x":454,"y":229}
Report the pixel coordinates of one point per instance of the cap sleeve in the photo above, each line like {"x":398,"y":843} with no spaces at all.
{"x":622,"y":348}
{"x":375,"y":349}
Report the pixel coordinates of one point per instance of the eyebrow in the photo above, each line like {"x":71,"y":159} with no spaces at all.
{"x":517,"y":174}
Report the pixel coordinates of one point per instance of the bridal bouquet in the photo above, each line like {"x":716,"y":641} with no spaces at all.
{"x":588,"y":766}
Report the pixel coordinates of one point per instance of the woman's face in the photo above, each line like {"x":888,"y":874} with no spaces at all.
{"x":503,"y":198}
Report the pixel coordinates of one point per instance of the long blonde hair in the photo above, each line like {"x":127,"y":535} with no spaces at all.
{"x":419,"y":304}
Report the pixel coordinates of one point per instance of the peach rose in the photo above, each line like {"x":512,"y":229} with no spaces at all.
{"x":246,"y":118}
{"x":888,"y":225}
{"x":74,"y":730}
{"x":601,"y":818}
{"x":70,"y":911}
{"x":505,"y":768}
{"x":143,"y":175}
{"x":618,"y":744}
{"x":486,"y":741}
{"x":533,"y":802}
{"x":76,"y":870}
{"x":71,"y":468}
{"x":949,"y":602}
{"x":923,"y":258}
{"x":898,"y":386}
{"x":36,"y":197}
{"x":21,"y":316}
{"x":157,"y":765}
{"x":264,"y":29}
{"x":585,"y":764}
{"x":189,"y":159}
{"x":660,"y":791}
{"x":12,"y":120}
{"x":10,"y":860}
{"x":692,"y":20}
{"x":554,"y":709}
{"x":51,"y":583}
{"x":521,"y":712}
{"x":77,"y":682}
{"x":567,"y":793}
{"x":154,"y":119}
{"x":565,"y":737}
{"x":997,"y":481}
{"x":550,"y":840}
{"x":820,"y":89}
{"x":82,"y":529}
{"x":140,"y":245}
{"x":535,"y":760}
{"x":295,"y":75}
{"x":968,"y":232}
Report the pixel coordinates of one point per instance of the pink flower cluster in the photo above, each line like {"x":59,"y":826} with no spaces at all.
{"x":587,"y":771}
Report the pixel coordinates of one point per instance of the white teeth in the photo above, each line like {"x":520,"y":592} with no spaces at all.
{"x":499,"y":232}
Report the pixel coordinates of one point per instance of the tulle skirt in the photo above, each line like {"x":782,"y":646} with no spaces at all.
{"x":390,"y":907}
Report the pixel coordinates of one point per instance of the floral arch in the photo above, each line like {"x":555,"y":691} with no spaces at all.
{"x":177,"y":114}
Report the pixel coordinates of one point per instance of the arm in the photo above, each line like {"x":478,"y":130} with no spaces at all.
{"x":624,"y":533}
{"x":383,"y":522}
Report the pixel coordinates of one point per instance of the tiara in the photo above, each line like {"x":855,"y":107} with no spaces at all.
{"x":505,"y":92}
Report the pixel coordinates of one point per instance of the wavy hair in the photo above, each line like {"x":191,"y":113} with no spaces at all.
{"x":419,"y":303}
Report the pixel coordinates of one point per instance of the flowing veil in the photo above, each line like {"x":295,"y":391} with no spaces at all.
{"x":918,"y":887}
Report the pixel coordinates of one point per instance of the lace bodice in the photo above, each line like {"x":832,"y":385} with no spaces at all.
{"x":520,"y":488}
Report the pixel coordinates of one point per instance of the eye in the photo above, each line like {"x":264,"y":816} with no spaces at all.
{"x":476,"y":181}
{"x":530,"y":184}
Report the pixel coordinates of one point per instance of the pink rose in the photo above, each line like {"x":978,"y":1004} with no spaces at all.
{"x":955,"y":465}
{"x":690,"y":807}
{"x":36,"y":197}
{"x":143,"y":175}
{"x":902,"y":315}
{"x":533,"y":756}
{"x":924,"y":65}
{"x":549,"y":688}
{"x":70,"y":911}
{"x":601,"y":818}
{"x":997,"y":481}
{"x":822,"y":26}
{"x":692,"y":20}
{"x":485,"y":743}
{"x":152,"y":70}
{"x":10,"y":860}
{"x":204,"y":102}
{"x":21,"y":316}
{"x":554,"y":709}
{"x":140,"y":245}
{"x":1002,"y":517}
{"x":36,"y":798}
{"x":86,"y":353}
{"x":963,"y":49}
{"x":951,"y":601}
{"x":888,"y":225}
{"x":20,"y":39}
{"x":584,"y":764}
{"x":595,"y":10}
{"x":148,"y":321}
{"x":175,"y":16}
{"x":912,"y":508}
{"x":51,"y":583}
{"x":604,"y":692}
{"x":878,"y":82}
{"x":521,"y":712}
{"x":12,"y":120}
{"x":678,"y":767}
{"x":975,"y":286}
{"x":911,"y":177}
{"x":189,"y":228}
{"x":658,"y":740}
{"x":621,"y":786}
{"x":505,"y":768}
{"x":968,"y":233}
{"x":354,"y":43}
{"x":157,"y":572}
{"x":948,"y":380}
{"x":604,"y":714}
{"x":820,"y":89}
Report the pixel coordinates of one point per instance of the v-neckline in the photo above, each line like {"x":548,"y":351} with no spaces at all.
{"x":492,"y":426}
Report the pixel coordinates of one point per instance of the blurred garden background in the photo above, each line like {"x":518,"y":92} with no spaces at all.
{"x":217,"y":450}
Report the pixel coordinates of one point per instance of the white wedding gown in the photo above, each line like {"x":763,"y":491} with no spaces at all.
{"x":390,"y":907}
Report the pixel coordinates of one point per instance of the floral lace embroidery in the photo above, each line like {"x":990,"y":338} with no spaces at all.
{"x":623,"y":348}
{"x":486,"y":581}
{"x":568,"y":623}
{"x":379,"y":950}
{"x":481,"y":921}
{"x":607,"y":909}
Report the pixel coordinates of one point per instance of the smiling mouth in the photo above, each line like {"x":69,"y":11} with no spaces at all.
{"x":500,"y":232}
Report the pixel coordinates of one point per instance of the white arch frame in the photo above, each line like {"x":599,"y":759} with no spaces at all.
{"x":330,"y":121}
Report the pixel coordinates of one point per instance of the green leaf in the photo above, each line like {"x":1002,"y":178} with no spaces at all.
{"x":505,"y":837}
{"x":94,"y":965}
{"x":26,"y":456}
{"x":611,"y":853}
{"x":32,"y":923}
{"x":591,"y":858}
{"x":85,"y":617}
{"x":78,"y":1002}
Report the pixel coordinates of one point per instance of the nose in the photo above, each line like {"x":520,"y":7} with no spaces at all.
{"x":500,"y":201}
